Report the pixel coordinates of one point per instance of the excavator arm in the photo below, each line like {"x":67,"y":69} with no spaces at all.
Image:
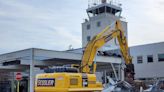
{"x":100,"y":40}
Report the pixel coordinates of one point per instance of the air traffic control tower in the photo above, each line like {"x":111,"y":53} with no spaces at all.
{"x":101,"y":13}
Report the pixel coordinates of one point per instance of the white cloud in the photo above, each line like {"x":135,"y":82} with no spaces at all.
{"x":24,"y":26}
{"x":145,"y":21}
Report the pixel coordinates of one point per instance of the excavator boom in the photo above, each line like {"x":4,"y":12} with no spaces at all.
{"x":100,"y":40}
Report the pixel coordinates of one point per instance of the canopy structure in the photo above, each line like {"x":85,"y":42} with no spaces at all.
{"x":30,"y":59}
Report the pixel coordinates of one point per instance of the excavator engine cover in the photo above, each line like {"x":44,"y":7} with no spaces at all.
{"x":67,"y":82}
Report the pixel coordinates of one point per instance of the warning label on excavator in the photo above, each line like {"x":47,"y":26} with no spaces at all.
{"x":46,"y":82}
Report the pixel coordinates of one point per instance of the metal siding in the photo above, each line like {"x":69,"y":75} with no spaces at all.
{"x":148,"y":70}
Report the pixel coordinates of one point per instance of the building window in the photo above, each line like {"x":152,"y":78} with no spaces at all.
{"x":88,"y":38}
{"x":88,"y":26}
{"x":98,"y":24}
{"x":139,"y":59}
{"x":160,"y":57}
{"x":150,"y":58}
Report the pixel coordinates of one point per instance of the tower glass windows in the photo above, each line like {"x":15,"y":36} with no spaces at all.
{"x":88,"y":38}
{"x":88,"y":26}
{"x":98,"y":24}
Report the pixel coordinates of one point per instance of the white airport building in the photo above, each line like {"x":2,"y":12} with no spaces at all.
{"x":148,"y":59}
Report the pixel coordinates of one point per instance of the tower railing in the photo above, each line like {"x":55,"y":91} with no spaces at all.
{"x":93,"y":3}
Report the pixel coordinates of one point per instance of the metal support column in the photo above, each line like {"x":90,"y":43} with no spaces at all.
{"x":114,"y":70}
{"x":12,"y":84}
{"x":119,"y":72}
{"x":32,"y":71}
{"x":105,"y":77}
{"x":122,"y":72}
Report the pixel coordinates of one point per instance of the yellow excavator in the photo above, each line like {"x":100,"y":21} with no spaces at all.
{"x":84,"y":80}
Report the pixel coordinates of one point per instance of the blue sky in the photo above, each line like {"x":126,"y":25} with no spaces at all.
{"x":56,"y":24}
